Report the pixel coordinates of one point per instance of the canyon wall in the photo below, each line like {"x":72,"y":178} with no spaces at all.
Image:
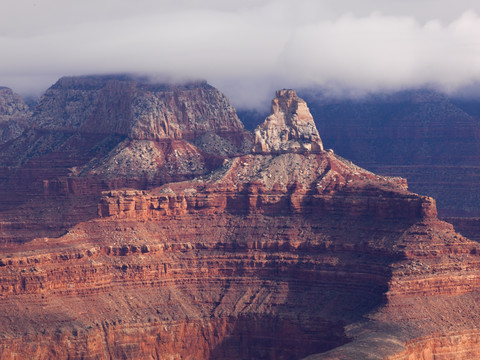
{"x":169,"y":251}
{"x":94,"y":133}
{"x":238,"y":266}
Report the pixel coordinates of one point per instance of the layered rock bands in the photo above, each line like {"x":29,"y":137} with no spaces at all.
{"x":284,"y":252}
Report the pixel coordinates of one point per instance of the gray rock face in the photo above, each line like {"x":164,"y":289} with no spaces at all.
{"x":13,"y":115}
{"x":136,"y":108}
{"x":12,"y":105}
{"x":289,"y":128}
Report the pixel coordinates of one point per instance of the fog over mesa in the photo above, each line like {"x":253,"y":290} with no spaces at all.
{"x":245,"y":48}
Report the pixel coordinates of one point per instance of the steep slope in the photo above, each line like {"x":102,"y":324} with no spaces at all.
{"x":96,"y":133}
{"x":421,"y":135}
{"x":133,"y":107}
{"x":13,"y":115}
{"x":274,"y":255}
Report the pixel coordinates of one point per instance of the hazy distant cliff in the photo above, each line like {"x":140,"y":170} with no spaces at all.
{"x":422,"y":135}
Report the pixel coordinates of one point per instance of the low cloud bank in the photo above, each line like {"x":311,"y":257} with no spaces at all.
{"x":247,"y":50}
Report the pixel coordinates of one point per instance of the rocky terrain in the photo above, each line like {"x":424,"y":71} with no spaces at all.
{"x":96,"y":133}
{"x":13,"y":115}
{"x":284,"y":251}
{"x":427,"y":137}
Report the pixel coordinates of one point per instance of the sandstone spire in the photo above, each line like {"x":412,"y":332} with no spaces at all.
{"x":289,"y":128}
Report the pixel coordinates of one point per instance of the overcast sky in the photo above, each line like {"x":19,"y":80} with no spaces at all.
{"x":247,"y":48}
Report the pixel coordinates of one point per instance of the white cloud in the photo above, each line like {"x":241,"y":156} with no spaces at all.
{"x":246,"y":48}
{"x":385,"y":52}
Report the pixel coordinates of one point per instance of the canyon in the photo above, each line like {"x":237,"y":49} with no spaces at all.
{"x":142,"y":221}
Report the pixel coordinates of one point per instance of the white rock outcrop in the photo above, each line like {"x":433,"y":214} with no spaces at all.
{"x":289,"y":128}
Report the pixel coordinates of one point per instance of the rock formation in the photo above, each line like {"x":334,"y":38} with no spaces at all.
{"x":289,"y":128}
{"x":13,"y":115}
{"x":283,"y":253}
{"x":106,"y":132}
{"x":127,"y":106}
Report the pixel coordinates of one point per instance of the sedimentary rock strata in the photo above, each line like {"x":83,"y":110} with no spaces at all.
{"x":95,"y":133}
{"x":236,"y":265}
{"x":279,"y":254}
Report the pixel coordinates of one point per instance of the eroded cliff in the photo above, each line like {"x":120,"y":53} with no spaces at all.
{"x":95,"y":133}
{"x":272,"y":255}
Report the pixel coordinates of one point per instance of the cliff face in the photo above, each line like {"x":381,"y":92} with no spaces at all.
{"x":289,"y":128}
{"x":13,"y":115}
{"x":272,"y":255}
{"x":421,"y":135}
{"x":90,"y":134}
{"x":126,"y":106}
{"x":78,"y":115}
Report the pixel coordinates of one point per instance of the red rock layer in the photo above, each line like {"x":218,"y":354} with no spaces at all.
{"x":468,"y":227}
{"x":461,"y":346}
{"x":270,"y":256}
{"x":241,"y":265}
